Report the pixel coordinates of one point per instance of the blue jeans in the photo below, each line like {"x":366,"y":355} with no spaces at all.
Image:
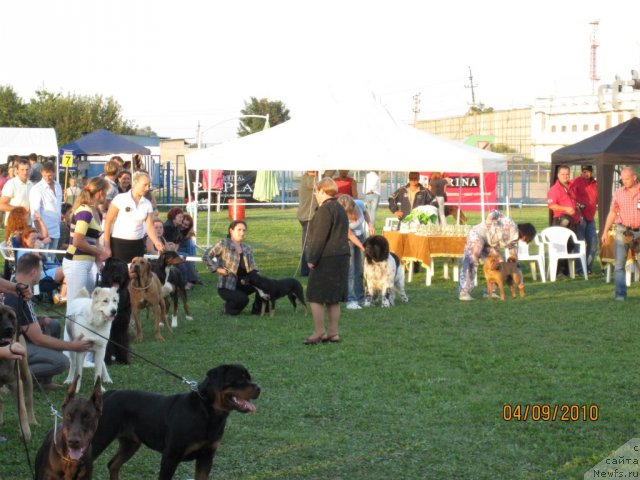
{"x":188,"y":269}
{"x":371,"y":201}
{"x":620,"y":274}
{"x":356,"y":272}
{"x":587,"y":231}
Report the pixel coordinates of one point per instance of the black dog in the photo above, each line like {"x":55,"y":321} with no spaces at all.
{"x":66,"y":452}
{"x":116,"y":274}
{"x":270,"y":290}
{"x":173,"y":284}
{"x":182,"y":427}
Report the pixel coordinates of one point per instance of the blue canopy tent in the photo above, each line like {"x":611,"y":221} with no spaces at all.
{"x":103,"y":142}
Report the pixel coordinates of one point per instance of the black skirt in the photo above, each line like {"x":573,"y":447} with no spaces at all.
{"x":126,"y":250}
{"x":329,"y":280}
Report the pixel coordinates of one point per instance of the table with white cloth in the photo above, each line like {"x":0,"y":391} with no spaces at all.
{"x":417,"y":247}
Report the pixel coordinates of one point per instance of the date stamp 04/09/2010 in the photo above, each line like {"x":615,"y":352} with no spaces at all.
{"x":546,"y":412}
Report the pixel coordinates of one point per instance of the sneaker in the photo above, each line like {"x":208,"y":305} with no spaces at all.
{"x":486,"y":295}
{"x":620,"y":299}
{"x":88,"y":364}
{"x":353,"y":306}
{"x":465,"y":297}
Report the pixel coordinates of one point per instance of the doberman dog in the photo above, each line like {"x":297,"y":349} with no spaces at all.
{"x":66,"y":452}
{"x":181,"y":427}
{"x":21,"y":386}
{"x":173,"y":284}
{"x":270,"y":290}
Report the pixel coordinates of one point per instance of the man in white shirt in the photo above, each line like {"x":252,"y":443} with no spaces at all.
{"x":15,"y":192}
{"x":45,"y":199}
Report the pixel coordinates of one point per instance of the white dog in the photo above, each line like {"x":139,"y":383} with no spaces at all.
{"x":89,"y":314}
{"x":383,"y":273}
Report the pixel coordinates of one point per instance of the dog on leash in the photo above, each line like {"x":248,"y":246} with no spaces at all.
{"x":383,"y":273}
{"x":173,"y":284}
{"x":270,"y":290}
{"x":91,"y":316}
{"x":19,"y":383}
{"x":65,"y":452}
{"x":146,"y":292}
{"x":498,"y":272}
{"x":182,"y":427}
{"x":115,"y":273}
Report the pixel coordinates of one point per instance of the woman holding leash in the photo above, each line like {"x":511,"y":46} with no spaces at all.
{"x":124,"y":227}
{"x":232,"y":260}
{"x":83,"y":251}
{"x":328,"y":260}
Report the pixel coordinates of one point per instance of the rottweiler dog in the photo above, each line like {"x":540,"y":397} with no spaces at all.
{"x":497,"y":273}
{"x":115,"y":273}
{"x":181,"y":427}
{"x":270,"y":290}
{"x":66,"y":452}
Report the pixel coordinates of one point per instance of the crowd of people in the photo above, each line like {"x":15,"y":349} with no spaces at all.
{"x":112,"y":215}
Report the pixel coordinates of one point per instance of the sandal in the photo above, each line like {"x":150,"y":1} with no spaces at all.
{"x":331,"y":338}
{"x":314,"y":340}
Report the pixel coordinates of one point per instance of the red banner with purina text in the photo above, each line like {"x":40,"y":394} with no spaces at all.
{"x":464,"y":188}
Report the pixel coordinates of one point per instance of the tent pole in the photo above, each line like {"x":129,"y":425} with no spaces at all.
{"x":482,"y":192}
{"x":195,"y":186}
{"x":208,"y":207}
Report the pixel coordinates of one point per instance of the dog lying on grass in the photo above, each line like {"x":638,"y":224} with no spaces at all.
{"x":498,"y":272}
{"x":20,"y":386}
{"x":383,"y":273}
{"x":96,"y":313}
{"x":181,"y":427}
{"x":270,"y":290}
{"x":65,"y":453}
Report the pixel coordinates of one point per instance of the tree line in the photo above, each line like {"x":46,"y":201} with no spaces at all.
{"x":71,"y":115}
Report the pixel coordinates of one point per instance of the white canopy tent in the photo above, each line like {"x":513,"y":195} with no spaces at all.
{"x":23,"y":141}
{"x":360,"y":136}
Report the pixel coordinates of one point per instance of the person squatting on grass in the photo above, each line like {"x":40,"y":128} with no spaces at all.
{"x":328,"y":259}
{"x":496,"y":233}
{"x":625,"y":212}
{"x":232,"y":260}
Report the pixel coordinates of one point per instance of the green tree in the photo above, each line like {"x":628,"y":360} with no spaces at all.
{"x":12,"y":108}
{"x":75,"y":115}
{"x":277,"y":111}
{"x":145,"y":132}
{"x":479,"y":109}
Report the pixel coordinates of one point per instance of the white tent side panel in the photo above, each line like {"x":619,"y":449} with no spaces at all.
{"x":23,"y":141}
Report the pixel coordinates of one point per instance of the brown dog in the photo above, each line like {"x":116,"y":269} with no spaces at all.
{"x":66,"y":452}
{"x":497,"y":272}
{"x":20,"y":386}
{"x":145,"y":290}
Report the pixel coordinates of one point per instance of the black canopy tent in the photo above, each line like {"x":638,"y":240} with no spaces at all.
{"x":619,"y":145}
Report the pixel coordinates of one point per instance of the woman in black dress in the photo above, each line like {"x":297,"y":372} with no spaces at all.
{"x":328,"y":259}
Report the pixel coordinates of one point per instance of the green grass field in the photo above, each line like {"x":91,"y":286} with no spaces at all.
{"x":412,"y":392}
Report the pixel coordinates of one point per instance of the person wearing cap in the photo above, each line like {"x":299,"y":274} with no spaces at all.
{"x":410,"y":196}
{"x":585,"y":189}
{"x":625,"y":212}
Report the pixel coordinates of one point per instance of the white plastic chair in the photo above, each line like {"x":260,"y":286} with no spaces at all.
{"x":555,"y":240}
{"x":524,"y":255}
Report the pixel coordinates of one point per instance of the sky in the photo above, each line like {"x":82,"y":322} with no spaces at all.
{"x":174,"y":65}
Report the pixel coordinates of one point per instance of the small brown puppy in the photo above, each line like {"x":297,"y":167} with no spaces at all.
{"x":145,"y":290}
{"x":497,"y":272}
{"x":66,"y":451}
{"x":21,"y":387}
